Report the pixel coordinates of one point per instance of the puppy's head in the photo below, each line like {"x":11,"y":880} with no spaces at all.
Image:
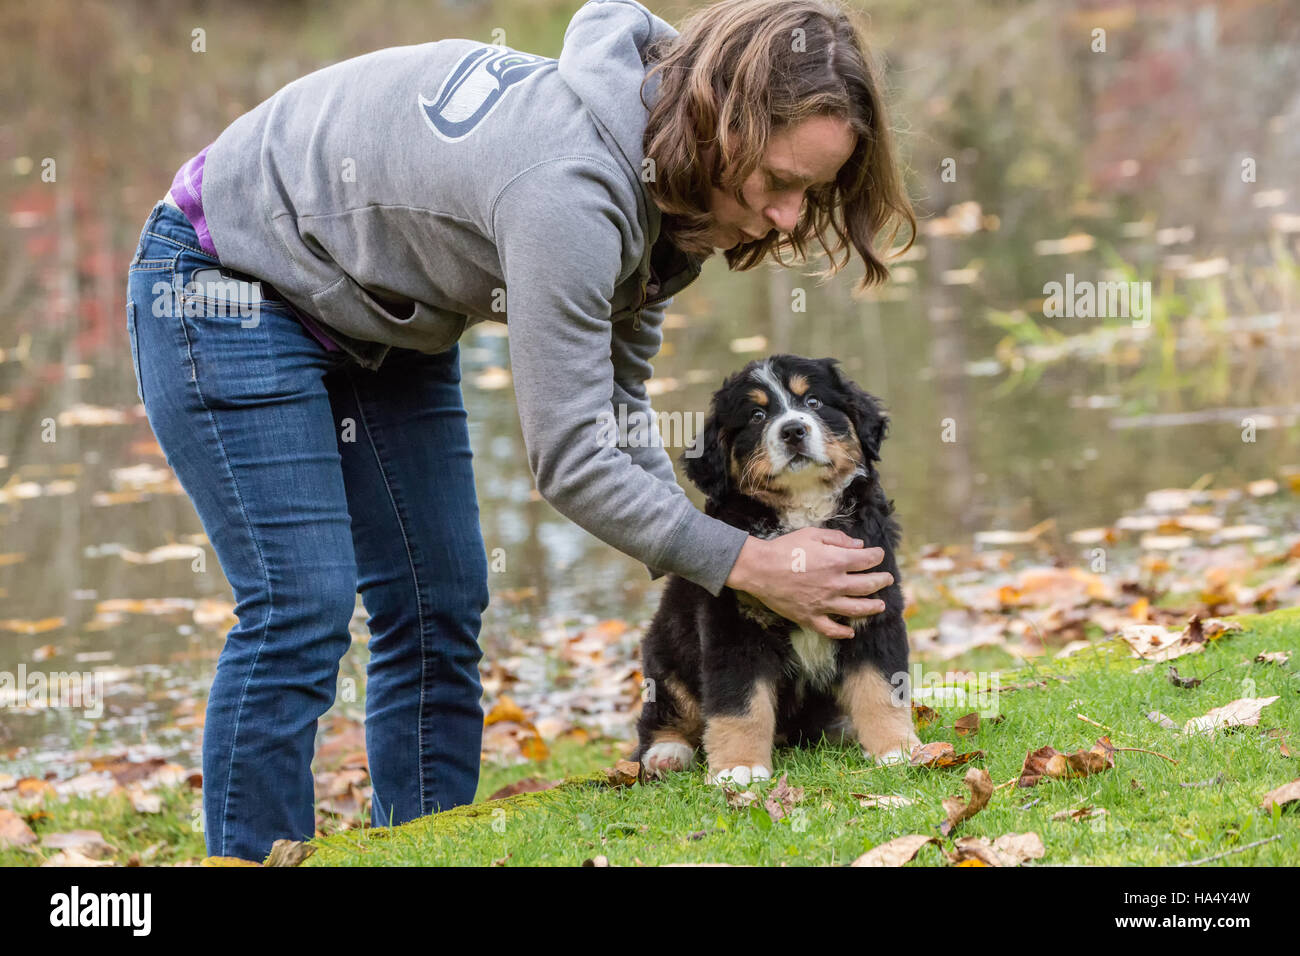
{"x":784,"y":428}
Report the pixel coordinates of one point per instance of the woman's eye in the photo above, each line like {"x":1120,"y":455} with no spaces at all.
{"x":758,"y":416}
{"x":813,"y":401}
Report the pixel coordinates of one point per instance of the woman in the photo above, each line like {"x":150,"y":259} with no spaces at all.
{"x":294,"y":309}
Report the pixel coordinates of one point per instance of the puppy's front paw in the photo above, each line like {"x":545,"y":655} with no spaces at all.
{"x":667,"y":756}
{"x":742,"y":775}
{"x":893,"y":755}
{"x":896,"y":756}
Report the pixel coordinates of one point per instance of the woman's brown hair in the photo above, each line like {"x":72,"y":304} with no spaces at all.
{"x":740,"y":70}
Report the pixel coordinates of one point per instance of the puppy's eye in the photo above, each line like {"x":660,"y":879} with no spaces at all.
{"x":758,"y":416}
{"x":812,"y":401}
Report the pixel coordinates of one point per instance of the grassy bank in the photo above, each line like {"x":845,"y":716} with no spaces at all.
{"x":1157,"y":811}
{"x":1189,"y":798}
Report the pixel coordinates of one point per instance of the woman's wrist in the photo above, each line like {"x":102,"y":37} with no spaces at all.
{"x":741,"y":577}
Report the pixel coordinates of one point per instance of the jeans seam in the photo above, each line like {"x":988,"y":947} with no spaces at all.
{"x":183,"y":245}
{"x":415,"y":576}
{"x":261,"y":561}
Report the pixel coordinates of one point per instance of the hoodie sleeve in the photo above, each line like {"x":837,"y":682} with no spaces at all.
{"x":561,"y":231}
{"x":632,"y":344}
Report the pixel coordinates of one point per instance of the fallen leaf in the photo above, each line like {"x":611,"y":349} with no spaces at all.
{"x":1158,"y":718}
{"x":739,"y":799}
{"x":624,"y":773}
{"x":1010,"y":849}
{"x":289,"y":853}
{"x":14,"y":830}
{"x":968,"y":724}
{"x":1186,"y":683}
{"x":896,"y":852}
{"x":941,"y":754}
{"x":1273,"y":657}
{"x":1080,"y":813}
{"x":882,"y":802}
{"x":781,"y":799}
{"x":1050,"y":762}
{"x":1286,"y":794}
{"x":981,"y":788}
{"x":88,"y":843}
{"x":924,"y":715}
{"x":1243,"y":712}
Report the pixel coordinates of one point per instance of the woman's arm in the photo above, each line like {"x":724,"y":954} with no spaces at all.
{"x":561,"y":230}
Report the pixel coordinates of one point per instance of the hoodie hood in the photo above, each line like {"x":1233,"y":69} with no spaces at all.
{"x":603,"y":61}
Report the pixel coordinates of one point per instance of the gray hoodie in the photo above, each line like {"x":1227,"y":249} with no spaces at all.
{"x":401,"y":196}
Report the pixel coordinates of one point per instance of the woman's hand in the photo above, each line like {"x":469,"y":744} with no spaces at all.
{"x":826,"y":583}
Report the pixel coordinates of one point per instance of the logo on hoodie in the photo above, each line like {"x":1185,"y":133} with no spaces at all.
{"x":476,"y":85}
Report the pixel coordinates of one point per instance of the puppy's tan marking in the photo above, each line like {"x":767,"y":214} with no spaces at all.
{"x":758,"y":396}
{"x":845,"y":455}
{"x":688,"y":726}
{"x":883,"y":724}
{"x":798,"y":384}
{"x":754,"y":478}
{"x":744,"y":740}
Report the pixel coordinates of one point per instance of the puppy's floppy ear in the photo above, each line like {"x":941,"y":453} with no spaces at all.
{"x":865,"y":411}
{"x":705,"y":462}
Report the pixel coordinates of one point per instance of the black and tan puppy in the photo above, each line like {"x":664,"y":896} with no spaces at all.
{"x":789,"y":443}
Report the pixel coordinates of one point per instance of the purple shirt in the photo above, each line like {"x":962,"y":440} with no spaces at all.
{"x":187,"y":191}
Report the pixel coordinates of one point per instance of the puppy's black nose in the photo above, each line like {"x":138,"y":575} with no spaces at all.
{"x":792,"y":433}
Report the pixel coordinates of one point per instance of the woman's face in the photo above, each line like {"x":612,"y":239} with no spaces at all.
{"x":806,"y":154}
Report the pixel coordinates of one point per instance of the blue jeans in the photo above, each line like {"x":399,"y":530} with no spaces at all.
{"x":314,"y":479}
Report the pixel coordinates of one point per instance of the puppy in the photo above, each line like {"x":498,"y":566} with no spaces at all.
{"x":789,"y":443}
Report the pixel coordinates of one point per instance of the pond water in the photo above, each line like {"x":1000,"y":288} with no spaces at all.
{"x":1167,"y":158}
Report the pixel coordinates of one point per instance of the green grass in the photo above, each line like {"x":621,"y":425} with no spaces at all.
{"x":174,"y":833}
{"x":1151,"y":819}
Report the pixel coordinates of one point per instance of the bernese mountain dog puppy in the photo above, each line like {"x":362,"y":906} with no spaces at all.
{"x":789,"y":443}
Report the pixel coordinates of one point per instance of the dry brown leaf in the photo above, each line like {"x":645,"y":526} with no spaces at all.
{"x":1010,"y":849}
{"x":941,"y":754}
{"x":1243,"y":712}
{"x":875,"y":801}
{"x":896,"y":852}
{"x":923,"y":715}
{"x":981,"y":788}
{"x":781,"y":799}
{"x":88,"y":843}
{"x":624,"y":773}
{"x":1158,"y":718}
{"x":14,"y":830}
{"x":1281,"y":796}
{"x":739,"y":799}
{"x":1050,"y":762}
{"x":1080,"y":813}
{"x":968,"y":724}
{"x":289,"y":853}
{"x":1273,"y":657}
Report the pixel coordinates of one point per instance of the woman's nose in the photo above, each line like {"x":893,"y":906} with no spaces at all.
{"x":784,"y":215}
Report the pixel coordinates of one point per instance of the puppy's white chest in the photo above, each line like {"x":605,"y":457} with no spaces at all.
{"x":815,"y":654}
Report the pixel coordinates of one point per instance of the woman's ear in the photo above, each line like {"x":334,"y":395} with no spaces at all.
{"x":866,"y":412}
{"x":705,"y":462}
